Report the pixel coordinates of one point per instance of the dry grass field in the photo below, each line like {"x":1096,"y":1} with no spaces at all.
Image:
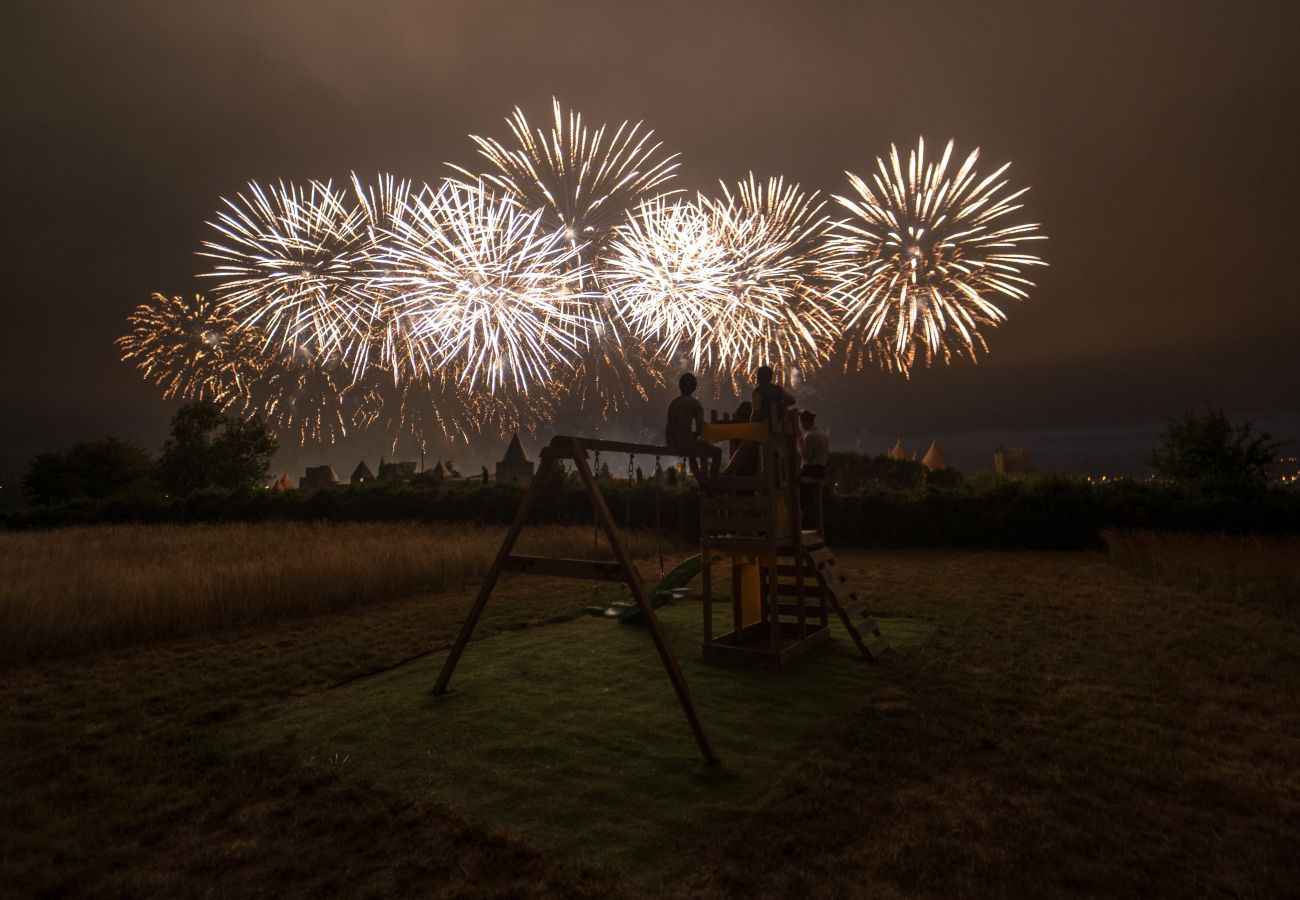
{"x":1255,"y":567}
{"x":74,"y":590}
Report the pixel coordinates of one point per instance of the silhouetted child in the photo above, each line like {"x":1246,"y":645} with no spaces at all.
{"x":682,"y":434}
{"x":768,"y":402}
{"x":769,"y":399}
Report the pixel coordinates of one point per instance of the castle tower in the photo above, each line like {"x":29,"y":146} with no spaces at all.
{"x":515,"y":468}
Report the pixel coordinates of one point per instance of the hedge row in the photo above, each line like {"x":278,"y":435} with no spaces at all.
{"x":1041,"y":513}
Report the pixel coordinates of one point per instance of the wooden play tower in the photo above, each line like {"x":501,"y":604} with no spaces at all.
{"x":784,"y":579}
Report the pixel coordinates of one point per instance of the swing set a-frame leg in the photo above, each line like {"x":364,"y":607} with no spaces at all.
{"x":626,"y":569}
{"x":494,"y":573}
{"x":633,"y":579}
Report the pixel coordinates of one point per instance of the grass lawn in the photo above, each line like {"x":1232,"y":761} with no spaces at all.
{"x":572,"y":734}
{"x":1047,"y":725}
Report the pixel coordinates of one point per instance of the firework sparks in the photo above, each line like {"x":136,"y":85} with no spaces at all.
{"x":194,"y":350}
{"x":585,"y":181}
{"x":287,"y":259}
{"x":725,"y":286}
{"x":920,"y":266}
{"x":436,"y":407}
{"x":772,"y":234}
{"x":306,"y":397}
{"x":486,"y":290}
{"x":384,"y":339}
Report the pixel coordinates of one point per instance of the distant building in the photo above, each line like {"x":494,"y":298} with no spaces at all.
{"x":318,"y":477}
{"x":1013,"y":462}
{"x":934,"y":458}
{"x":898,"y":452}
{"x":434,"y":475}
{"x":282,"y":484}
{"x":515,"y":468}
{"x":396,"y":471}
{"x":361,"y":474}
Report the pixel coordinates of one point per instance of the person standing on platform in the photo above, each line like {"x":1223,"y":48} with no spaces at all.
{"x":815,"y":448}
{"x":769,"y":398}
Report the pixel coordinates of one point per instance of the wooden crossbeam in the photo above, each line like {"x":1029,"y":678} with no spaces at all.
{"x":562,"y":447}
{"x":557,"y":567}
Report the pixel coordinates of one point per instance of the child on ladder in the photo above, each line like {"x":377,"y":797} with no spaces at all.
{"x":682,"y":434}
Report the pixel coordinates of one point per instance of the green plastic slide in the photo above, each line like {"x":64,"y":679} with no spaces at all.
{"x":670,"y":586}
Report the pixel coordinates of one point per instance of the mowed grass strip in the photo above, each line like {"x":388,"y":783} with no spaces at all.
{"x":572,"y":734}
{"x":76,"y":590}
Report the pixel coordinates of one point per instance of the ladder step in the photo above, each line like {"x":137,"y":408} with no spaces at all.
{"x":854,"y":609}
{"x":877,"y":647}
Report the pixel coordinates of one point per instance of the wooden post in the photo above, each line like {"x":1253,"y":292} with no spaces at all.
{"x":643,"y":603}
{"x":706,"y":594}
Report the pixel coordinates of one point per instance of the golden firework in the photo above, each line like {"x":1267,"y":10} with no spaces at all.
{"x":924,"y":259}
{"x":193,"y":350}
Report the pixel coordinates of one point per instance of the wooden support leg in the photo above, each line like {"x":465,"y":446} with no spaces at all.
{"x":774,"y":605}
{"x":643,"y":603}
{"x":706,"y":595}
{"x":494,"y":572}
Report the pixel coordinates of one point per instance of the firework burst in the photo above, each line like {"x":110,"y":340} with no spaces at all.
{"x":727,"y":285}
{"x":383,"y":339}
{"x":924,"y":259}
{"x":585,"y":181}
{"x":194,"y":350}
{"x":777,"y":308}
{"x":485,"y":290}
{"x":286,"y":261}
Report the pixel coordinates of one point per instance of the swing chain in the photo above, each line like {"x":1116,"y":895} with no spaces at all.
{"x":595,"y":516}
{"x":659,"y":532}
{"x":627,"y":513}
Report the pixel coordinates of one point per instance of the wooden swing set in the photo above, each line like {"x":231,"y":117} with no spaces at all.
{"x":784,"y":578}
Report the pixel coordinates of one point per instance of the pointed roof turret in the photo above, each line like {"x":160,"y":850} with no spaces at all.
{"x":934,"y":458}
{"x":898,"y":452}
{"x":515,"y":452}
{"x":361,"y":471}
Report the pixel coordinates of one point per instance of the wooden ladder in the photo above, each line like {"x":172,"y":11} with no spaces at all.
{"x":852,"y":609}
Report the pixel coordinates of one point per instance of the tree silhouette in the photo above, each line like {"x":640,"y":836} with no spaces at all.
{"x":210,"y":448}
{"x":89,"y":469}
{"x":1206,"y":452}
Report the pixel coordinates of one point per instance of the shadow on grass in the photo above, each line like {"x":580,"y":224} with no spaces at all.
{"x":572,"y":734}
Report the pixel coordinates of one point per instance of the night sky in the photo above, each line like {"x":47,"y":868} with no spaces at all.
{"x":1160,"y":141}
